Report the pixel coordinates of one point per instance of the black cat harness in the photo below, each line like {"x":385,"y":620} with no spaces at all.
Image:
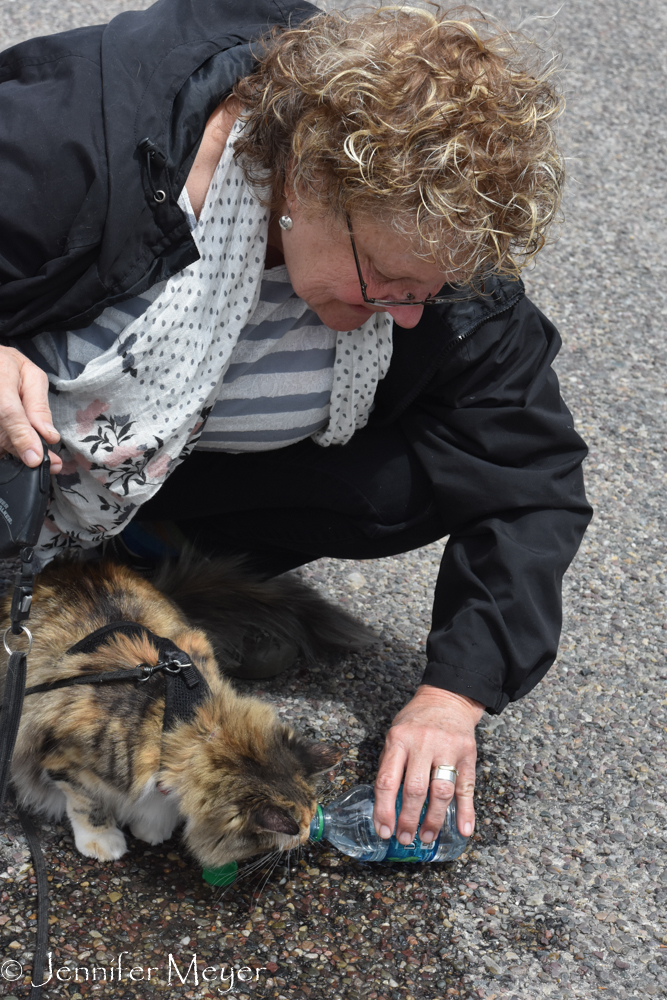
{"x":186,"y":687}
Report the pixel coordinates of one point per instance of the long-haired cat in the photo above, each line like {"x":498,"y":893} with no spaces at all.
{"x":240,"y":781}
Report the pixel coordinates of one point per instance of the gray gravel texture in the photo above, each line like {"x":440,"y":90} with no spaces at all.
{"x":562,"y":893}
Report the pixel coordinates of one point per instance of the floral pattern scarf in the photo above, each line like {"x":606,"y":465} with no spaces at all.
{"x":137,"y":411}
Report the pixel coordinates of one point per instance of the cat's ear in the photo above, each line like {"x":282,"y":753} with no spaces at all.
{"x":273,"y":819}
{"x":318,"y":757}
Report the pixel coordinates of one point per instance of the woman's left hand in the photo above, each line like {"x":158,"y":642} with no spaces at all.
{"x":435,"y":727}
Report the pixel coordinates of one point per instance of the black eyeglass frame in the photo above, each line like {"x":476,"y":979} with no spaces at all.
{"x":431,"y":301}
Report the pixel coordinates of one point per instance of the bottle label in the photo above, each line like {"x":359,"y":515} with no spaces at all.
{"x":414,"y":851}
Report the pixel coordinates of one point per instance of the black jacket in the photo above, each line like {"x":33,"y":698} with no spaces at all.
{"x":471,"y":385}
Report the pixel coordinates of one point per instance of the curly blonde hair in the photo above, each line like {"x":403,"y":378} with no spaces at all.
{"x":440,"y":122}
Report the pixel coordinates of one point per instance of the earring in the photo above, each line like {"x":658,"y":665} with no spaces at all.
{"x":285,"y":222}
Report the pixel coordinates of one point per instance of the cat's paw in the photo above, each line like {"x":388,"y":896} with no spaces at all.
{"x":154,"y":818}
{"x":141,"y":830}
{"x":105,"y":845}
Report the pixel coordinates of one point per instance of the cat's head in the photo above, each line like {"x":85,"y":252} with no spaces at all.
{"x":246,"y":783}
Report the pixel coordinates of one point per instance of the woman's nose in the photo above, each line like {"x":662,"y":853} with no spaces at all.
{"x":406,"y":316}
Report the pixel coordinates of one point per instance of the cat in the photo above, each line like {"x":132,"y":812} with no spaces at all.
{"x":240,"y":781}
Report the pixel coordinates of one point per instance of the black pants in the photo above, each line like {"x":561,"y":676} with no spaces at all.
{"x":366,"y":499}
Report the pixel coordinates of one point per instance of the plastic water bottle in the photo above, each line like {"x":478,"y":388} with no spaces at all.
{"x":347,"y":823}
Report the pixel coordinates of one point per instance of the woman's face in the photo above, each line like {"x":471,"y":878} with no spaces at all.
{"x":320,"y":261}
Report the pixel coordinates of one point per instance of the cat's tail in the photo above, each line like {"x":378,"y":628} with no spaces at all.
{"x":236,"y":606}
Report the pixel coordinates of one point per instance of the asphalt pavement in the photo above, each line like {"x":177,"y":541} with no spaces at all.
{"x":562,"y":893}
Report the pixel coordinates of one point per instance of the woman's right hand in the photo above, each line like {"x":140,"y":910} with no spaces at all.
{"x":24,"y":410}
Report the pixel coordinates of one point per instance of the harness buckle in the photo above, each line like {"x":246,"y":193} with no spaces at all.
{"x":148,"y":672}
{"x":22,"y":628}
{"x":170,"y":666}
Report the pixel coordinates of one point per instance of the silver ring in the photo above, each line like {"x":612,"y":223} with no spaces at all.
{"x":444,"y":772}
{"x":8,"y":630}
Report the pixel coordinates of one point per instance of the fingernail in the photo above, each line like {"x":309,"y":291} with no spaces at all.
{"x":50,"y":429}
{"x":426,"y":836}
{"x":31,"y":457}
{"x":385,"y":832}
{"x":467,"y":829}
{"x":404,"y":838}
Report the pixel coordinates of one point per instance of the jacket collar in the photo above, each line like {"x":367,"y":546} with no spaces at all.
{"x":418,"y":353}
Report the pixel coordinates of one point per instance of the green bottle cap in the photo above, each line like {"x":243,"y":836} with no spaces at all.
{"x":224,"y":875}
{"x":317,"y":824}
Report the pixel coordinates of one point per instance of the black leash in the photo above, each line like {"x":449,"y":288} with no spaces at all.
{"x":24,"y":495}
{"x":39,"y":865}
{"x":10,"y":720}
{"x":17,"y":667}
{"x":14,"y":689}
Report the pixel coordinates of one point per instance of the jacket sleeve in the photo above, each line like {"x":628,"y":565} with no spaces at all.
{"x":500,"y":448}
{"x":53,"y":180}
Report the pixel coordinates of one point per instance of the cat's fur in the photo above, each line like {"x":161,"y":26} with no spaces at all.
{"x":240,"y":781}
{"x":232,"y":604}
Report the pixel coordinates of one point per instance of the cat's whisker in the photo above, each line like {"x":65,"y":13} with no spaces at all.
{"x":259,"y":863}
{"x":272,"y":859}
{"x":266,"y":880}
{"x":225,"y":889}
{"x":270,"y":872}
{"x":254,"y":866}
{"x":288,"y":864}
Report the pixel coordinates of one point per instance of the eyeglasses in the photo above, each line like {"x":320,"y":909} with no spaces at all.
{"x":409,"y":301}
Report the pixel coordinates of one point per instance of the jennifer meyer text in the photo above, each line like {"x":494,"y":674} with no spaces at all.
{"x":177,"y":972}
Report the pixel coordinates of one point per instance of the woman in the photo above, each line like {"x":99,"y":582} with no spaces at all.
{"x":274,"y":292}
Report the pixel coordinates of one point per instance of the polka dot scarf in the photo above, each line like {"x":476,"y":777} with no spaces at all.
{"x":136,"y":411}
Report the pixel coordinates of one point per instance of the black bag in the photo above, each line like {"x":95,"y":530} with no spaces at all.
{"x":24,"y":495}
